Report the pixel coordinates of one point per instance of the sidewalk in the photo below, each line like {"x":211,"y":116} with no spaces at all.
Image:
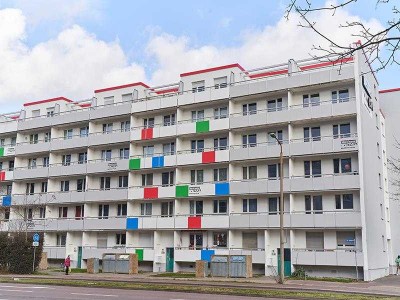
{"x":386,"y":286}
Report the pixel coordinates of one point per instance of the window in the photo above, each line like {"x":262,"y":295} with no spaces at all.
{"x":249,"y":240}
{"x":220,"y":239}
{"x":220,"y":82}
{"x":61,"y":240}
{"x":30,"y":188}
{"x":120,"y":239}
{"x":196,"y":207}
{"x":36,"y":113}
{"x":315,"y":240}
{"x":346,"y":238}
{"x":125,"y":126}
{"x":107,"y":128}
{"x":197,"y":115}
{"x":221,"y":174}
{"x":167,"y":178}
{"x":82,"y":158}
{"x":47,"y":137}
{"x":106,"y":155}
{"x":84,"y":131}
{"x":249,"y":172}
{"x":249,"y":109}
{"x":81,"y":184}
{"x":274,"y":105}
{"x":342,"y":165}
{"x":146,"y":209}
{"x":344,"y":201}
{"x":340,"y":96}
{"x":33,"y":138}
{"x":341,"y":130}
{"x":220,"y":143}
{"x":220,"y":206}
{"x":66,"y":160}
{"x":122,"y":210}
{"x":102,"y":240}
{"x":249,"y":140}
{"x":124,"y":153}
{"x":9,"y":189}
{"x":108,"y":100}
{"x":148,"y":151}
{"x":274,"y":171}
{"x":148,"y":122}
{"x":29,"y":213}
{"x":312,"y":133}
{"x":312,"y":168}
{"x":68,"y":134}
{"x":44,"y":187}
{"x":380,"y":180}
{"x":11,"y":165}
{"x":32,"y":163}
{"x":313,"y":204}
{"x":42,"y":212}
{"x":65,"y":186}
{"x":196,"y":176}
{"x":2,"y":142}
{"x":249,"y":205}
{"x":169,"y":149}
{"x":273,"y":203}
{"x":63,"y":212}
{"x":79,"y":212}
{"x":196,"y":241}
{"x":278,"y":134}
{"x":197,"y":146}
{"x":6,"y":213}
{"x":104,"y":210}
{"x":123,"y":181}
{"x":198,"y":86}
{"x":167,"y":209}
{"x":221,"y":112}
{"x":46,"y":161}
{"x":127,"y":97}
{"x":147,"y":179}
{"x":169,"y":120}
{"x":312,"y":99}
{"x":105,"y":183}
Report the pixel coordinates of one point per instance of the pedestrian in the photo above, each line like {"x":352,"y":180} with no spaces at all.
{"x":397,"y":261}
{"x":67,"y":264}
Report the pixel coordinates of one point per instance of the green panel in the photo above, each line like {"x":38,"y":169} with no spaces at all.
{"x":181,"y":191}
{"x":134,"y":164}
{"x":202,"y":126}
{"x":139,"y":253}
{"x":287,"y":270}
{"x":1,"y":151}
{"x":79,"y":265}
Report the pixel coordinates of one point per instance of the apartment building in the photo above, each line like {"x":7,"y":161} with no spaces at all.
{"x":180,"y":172}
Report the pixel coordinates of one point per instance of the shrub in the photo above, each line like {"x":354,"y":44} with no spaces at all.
{"x":299,"y":273}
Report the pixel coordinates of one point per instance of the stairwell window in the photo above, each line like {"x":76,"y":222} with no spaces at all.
{"x":220,"y":82}
{"x":249,"y":205}
{"x":344,"y":201}
{"x":311,"y":100}
{"x":249,"y":109}
{"x":198,"y":86}
{"x":249,"y":172}
{"x":313,"y":204}
{"x":340,"y":96}
{"x":249,"y":140}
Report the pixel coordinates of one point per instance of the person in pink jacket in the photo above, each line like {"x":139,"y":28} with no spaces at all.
{"x":67,"y":264}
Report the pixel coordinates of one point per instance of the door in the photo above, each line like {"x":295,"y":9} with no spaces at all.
{"x":170,"y":260}
{"x":287,"y":269}
{"x":79,"y":265}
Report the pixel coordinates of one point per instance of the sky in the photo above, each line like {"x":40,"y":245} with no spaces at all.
{"x":51,"y":48}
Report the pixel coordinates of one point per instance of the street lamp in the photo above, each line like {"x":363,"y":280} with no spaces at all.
{"x":281,"y":254}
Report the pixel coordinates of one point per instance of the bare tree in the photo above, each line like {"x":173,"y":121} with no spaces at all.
{"x":380,"y":47}
{"x":394,"y":168}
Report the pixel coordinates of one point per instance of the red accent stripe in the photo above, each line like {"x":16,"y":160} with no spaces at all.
{"x":194,"y":222}
{"x":147,"y":133}
{"x":14,"y":117}
{"x":328,"y":63}
{"x":213,"y":69}
{"x":85,"y":105}
{"x":389,"y":91}
{"x":208,"y":157}
{"x":121,"y":87}
{"x":47,"y":100}
{"x":269,"y":73}
{"x":150,"y":193}
{"x":2,"y":176}
{"x":172,"y":90}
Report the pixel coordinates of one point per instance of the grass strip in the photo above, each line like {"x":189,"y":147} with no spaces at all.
{"x":175,"y":275}
{"x":249,"y":292}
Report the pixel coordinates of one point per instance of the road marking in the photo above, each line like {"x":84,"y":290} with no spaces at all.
{"x":96,"y":295}
{"x":26,"y":287}
{"x":22,"y":291}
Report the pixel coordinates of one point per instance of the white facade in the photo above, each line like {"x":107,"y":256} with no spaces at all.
{"x":180,"y":172}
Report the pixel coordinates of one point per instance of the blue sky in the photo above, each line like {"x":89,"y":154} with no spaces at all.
{"x":122,"y":41}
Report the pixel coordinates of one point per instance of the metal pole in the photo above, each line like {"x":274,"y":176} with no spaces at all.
{"x":34,"y":256}
{"x":281,"y":210}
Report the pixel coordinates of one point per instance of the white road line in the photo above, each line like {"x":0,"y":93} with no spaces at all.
{"x":21,"y":291}
{"x":96,"y":295}
{"x":27,"y":287}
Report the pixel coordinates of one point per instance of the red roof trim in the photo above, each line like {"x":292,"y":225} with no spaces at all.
{"x":328,"y":63}
{"x":47,"y":100}
{"x":269,"y":73}
{"x":14,"y":117}
{"x":213,"y":69}
{"x":171,"y":90}
{"x":389,"y":91}
{"x":85,"y":105}
{"x":121,"y":87}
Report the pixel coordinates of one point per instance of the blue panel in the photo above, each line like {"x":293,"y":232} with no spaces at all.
{"x":7,"y":200}
{"x":157,"y":162}
{"x":132,"y":223}
{"x":222,"y":188}
{"x":206,"y":254}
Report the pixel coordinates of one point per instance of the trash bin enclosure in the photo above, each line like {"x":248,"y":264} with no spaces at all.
{"x":120,"y":263}
{"x":231,"y":266}
{"x":219,"y":265}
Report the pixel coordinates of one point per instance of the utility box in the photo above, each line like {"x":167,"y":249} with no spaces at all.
{"x":201,"y":268}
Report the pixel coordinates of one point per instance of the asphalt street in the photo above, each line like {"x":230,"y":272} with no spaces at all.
{"x":22,"y":291}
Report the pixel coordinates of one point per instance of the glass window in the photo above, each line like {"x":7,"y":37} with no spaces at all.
{"x":198,"y":86}
{"x":124,"y":153}
{"x":169,"y":149}
{"x":196,"y":241}
{"x":167,"y":209}
{"x":147,"y":179}
{"x":148,"y":151}
{"x":120,"y":239}
{"x":148,"y":123}
{"x":313,"y":204}
{"x":249,"y":140}
{"x":249,"y":172}
{"x":274,"y":105}
{"x":125,"y":126}
{"x":105,"y":183}
{"x":104,"y":210}
{"x":84,"y":131}
{"x":197,"y":146}
{"x":220,"y":239}
{"x":221,"y":112}
{"x":196,"y":207}
{"x":274,"y":171}
{"x":249,"y":109}
{"x":64,"y":185}
{"x":273,"y":205}
{"x":220,"y":206}
{"x":167,"y":178}
{"x":346,"y":238}
{"x":122,"y":209}
{"x":169,"y":120}
{"x":81,"y":184}
{"x":197,"y":115}
{"x":344,"y":201}
{"x":146,"y":209}
{"x":221,"y":143}
{"x":220,"y":82}
{"x":249,"y":205}
{"x":68,"y":134}
{"x":196,"y":176}
{"x":123,"y":181}
{"x":107,"y":128}
{"x":221,"y":174}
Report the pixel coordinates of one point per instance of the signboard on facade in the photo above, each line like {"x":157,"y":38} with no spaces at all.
{"x":112,"y":166}
{"x":9,"y":151}
{"x":348,"y":144}
{"x":194,"y":190}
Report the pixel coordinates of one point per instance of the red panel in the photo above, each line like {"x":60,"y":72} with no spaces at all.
{"x":47,"y":100}
{"x":150,"y":193}
{"x":147,"y":133}
{"x":194,"y":222}
{"x":2,"y":176}
{"x":269,"y":73}
{"x":208,"y":157}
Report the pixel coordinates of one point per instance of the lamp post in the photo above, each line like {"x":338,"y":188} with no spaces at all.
{"x":282,"y":237}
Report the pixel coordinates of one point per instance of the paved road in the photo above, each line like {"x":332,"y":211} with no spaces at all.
{"x":22,"y":291}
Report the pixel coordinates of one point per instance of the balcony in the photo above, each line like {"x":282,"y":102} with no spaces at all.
{"x":156,"y":132}
{"x":334,"y":257}
{"x":35,"y":122}
{"x":111,"y":223}
{"x":66,"y":197}
{"x":30,"y":199}
{"x":114,"y":137}
{"x":155,"y":103}
{"x":31,"y":173}
{"x":72,"y":116}
{"x":55,"y":252}
{"x":257,"y":151}
{"x":190,"y":127}
{"x":158,"y":160}
{"x":205,"y":221}
{"x":34,"y":147}
{"x":208,"y":155}
{"x":259,"y":118}
{"x":111,"y":194}
{"x":75,"y":142}
{"x":209,"y":93}
{"x":85,"y":224}
{"x":106,"y":166}
{"x":152,"y":192}
{"x":74,"y":168}
{"x":186,"y":255}
{"x":113,"y":110}
{"x":8,"y":126}
{"x":94,"y":252}
{"x":325,"y":144}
